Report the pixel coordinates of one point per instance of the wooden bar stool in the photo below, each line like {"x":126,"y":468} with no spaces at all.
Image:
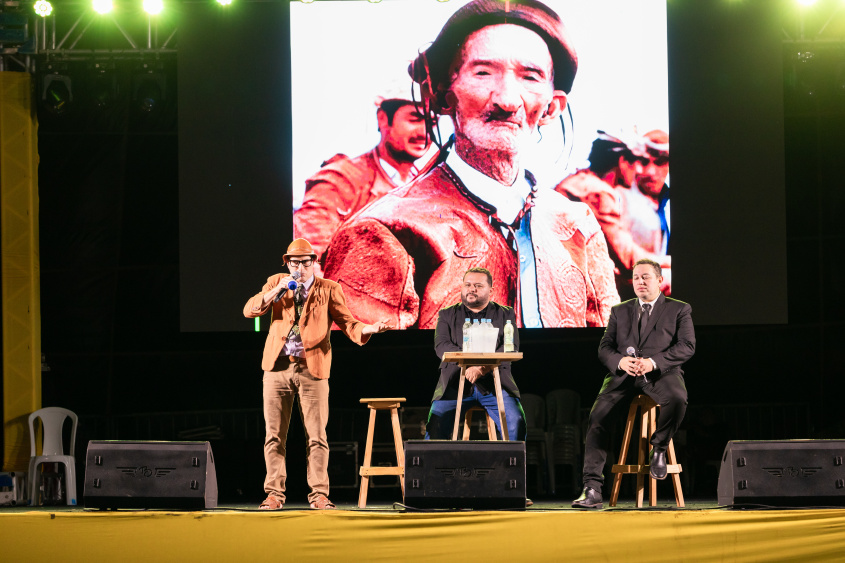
{"x":648,"y":424}
{"x":391,"y":404}
{"x":491,"y":424}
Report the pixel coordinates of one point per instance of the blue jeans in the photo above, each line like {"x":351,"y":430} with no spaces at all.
{"x":441,"y":418}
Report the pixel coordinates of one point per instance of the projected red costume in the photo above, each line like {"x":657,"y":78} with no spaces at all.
{"x":624,"y":188}
{"x":500,"y":71}
{"x":398,"y":258}
{"x":344,"y":185}
{"x":605,"y":201}
{"x":339,"y":189}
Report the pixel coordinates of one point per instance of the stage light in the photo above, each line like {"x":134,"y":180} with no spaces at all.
{"x":806,"y":2}
{"x":103,"y":90}
{"x":56,"y":93}
{"x":43,"y":8}
{"x":149,"y":92}
{"x":224,"y":2}
{"x":102,"y":6}
{"x":153,"y":7}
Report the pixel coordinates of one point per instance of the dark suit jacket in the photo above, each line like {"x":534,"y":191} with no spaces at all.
{"x":668,"y":338}
{"x":449,"y":337}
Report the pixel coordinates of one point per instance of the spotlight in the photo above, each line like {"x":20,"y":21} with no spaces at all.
{"x":102,"y":6}
{"x":224,"y":2}
{"x":43,"y":8}
{"x":149,"y":92}
{"x":103,"y":86}
{"x":153,"y":7}
{"x":56,"y":93}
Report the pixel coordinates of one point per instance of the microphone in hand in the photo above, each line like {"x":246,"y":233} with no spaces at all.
{"x":636,"y":354}
{"x":293,"y":285}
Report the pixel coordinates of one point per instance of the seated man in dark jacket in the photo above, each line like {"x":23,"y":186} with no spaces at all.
{"x":448,"y":337}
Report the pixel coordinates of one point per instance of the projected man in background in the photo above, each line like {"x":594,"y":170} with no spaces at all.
{"x":646,"y":342}
{"x":297,"y":361}
{"x":344,"y":185}
{"x":475,"y":304}
{"x":625,"y":186}
{"x":499,"y":70}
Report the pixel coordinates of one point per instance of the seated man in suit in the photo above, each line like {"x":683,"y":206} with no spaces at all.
{"x":448,"y":337}
{"x":646,"y":342}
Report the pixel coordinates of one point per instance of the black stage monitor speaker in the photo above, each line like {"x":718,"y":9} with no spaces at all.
{"x":150,"y":475}
{"x":783,"y":473}
{"x":477,"y":474}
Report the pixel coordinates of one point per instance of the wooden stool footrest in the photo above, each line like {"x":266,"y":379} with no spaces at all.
{"x":380,"y":470}
{"x":626,"y":469}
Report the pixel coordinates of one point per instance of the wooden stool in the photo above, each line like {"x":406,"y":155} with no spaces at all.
{"x":648,"y":424}
{"x":367,"y":470}
{"x":491,"y":425}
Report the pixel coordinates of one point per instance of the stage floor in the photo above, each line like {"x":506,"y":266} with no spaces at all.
{"x":548,"y":531}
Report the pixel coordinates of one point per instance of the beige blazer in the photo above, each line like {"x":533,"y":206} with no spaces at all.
{"x":325,"y":304}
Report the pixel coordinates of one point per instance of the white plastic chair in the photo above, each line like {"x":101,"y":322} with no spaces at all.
{"x":52,"y":450}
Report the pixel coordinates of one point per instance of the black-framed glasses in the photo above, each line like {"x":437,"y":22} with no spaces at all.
{"x":305,"y":263}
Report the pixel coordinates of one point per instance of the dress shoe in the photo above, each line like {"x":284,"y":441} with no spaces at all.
{"x":657,"y":464}
{"x":590,"y":498}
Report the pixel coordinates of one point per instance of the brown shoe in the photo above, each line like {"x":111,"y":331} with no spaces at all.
{"x":272,"y":502}
{"x":322,"y":503}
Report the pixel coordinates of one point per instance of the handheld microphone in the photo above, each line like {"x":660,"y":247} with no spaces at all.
{"x":293,"y":285}
{"x":633,"y":352}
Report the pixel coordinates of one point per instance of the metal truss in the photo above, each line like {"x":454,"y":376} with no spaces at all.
{"x":75,"y":32}
{"x":820,"y":24}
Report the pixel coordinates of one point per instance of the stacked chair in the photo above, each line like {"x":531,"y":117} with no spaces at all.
{"x":563,"y":410}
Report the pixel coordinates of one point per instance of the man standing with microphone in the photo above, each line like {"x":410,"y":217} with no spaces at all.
{"x":646,"y":342}
{"x":297,"y":361}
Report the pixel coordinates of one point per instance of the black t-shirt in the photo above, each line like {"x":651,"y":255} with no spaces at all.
{"x":482,"y":314}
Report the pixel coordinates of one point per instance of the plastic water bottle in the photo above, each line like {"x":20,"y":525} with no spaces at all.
{"x":467,"y":337}
{"x":508,"y":337}
{"x":475,"y":338}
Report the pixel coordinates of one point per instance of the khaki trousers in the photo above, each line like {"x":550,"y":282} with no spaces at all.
{"x":287,"y":380}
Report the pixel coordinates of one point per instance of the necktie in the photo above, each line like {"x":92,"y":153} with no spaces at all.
{"x":298,"y":301}
{"x":644,"y":314}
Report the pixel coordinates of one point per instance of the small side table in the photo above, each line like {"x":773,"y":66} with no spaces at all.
{"x":469,"y":359}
